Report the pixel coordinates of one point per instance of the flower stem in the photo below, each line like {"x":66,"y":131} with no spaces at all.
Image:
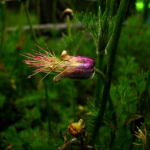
{"x":29,"y":21}
{"x":100,"y":73}
{"x":3,"y":18}
{"x":102,"y":42}
{"x":68,"y":24}
{"x":113,"y":49}
{"x":72,"y":82}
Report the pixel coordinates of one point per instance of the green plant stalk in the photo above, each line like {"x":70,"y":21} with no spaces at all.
{"x":111,"y":107}
{"x":113,"y":49}
{"x":112,"y":8}
{"x":100,"y":74}
{"x":114,"y":119}
{"x":101,"y":4}
{"x":29,"y":22}
{"x":38,"y":9}
{"x":99,"y":85}
{"x":102,"y":42}
{"x":3,"y":18}
{"x":69,"y":27}
{"x":72,"y":82}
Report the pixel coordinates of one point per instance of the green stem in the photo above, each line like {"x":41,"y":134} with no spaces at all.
{"x":101,"y":4}
{"x":112,"y":8}
{"x":112,"y":109}
{"x":69,"y":28}
{"x":29,"y":22}
{"x":99,"y":84}
{"x":115,"y":123}
{"x":2,"y":19}
{"x":113,"y":49}
{"x":72,"y":82}
{"x":102,"y":42}
{"x":100,"y":74}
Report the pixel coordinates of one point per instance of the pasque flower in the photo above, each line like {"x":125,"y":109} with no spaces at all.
{"x":73,"y":67}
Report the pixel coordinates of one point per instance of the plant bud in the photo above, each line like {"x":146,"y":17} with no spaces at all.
{"x":77,"y":128}
{"x":68,"y":12}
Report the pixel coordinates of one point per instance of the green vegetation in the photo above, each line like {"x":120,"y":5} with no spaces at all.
{"x":114,"y":104}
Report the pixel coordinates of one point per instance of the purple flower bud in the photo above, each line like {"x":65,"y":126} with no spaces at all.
{"x":73,"y":67}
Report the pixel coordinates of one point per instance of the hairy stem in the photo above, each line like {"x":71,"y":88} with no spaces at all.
{"x":113,"y":49}
{"x":102,"y":42}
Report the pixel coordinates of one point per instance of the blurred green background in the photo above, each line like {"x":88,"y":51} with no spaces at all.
{"x":33,"y":114}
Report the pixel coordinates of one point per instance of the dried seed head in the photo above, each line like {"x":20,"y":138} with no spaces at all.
{"x":77,"y":128}
{"x":68,"y":12}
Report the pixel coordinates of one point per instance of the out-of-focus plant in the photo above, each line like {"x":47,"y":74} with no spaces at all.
{"x":141,"y":136}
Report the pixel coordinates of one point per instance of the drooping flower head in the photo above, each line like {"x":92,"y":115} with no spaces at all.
{"x":73,"y":67}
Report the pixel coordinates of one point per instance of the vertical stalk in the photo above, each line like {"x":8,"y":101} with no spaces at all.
{"x":72,"y":82}
{"x":115,"y":123}
{"x":101,"y":4}
{"x":68,"y":24}
{"x":99,"y":85}
{"x":2,"y":26}
{"x":102,"y":42}
{"x":113,"y":49}
{"x":38,"y":10}
{"x":112,"y":8}
{"x":29,"y":21}
{"x":112,"y":109}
